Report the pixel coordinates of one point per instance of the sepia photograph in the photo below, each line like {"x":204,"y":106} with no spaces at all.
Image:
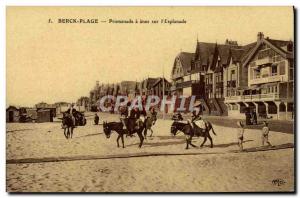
{"x":191,"y":99}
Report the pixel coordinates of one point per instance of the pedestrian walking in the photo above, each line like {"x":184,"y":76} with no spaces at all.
{"x":96,"y":119}
{"x":265,"y":134}
{"x":254,"y":117}
{"x":240,"y":134}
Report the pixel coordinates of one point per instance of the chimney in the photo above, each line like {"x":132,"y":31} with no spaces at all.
{"x":260,"y":36}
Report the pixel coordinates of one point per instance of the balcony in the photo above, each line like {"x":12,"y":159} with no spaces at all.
{"x":268,"y":79}
{"x":185,"y":84}
{"x":253,"y":98}
{"x":232,"y":99}
{"x":264,"y":61}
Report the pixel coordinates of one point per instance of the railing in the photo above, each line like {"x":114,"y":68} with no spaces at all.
{"x":268,"y":79}
{"x":256,"y":97}
{"x":186,"y":84}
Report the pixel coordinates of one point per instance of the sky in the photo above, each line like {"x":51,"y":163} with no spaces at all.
{"x":54,"y":62}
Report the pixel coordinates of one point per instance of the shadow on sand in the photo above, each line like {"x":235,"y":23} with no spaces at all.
{"x":11,"y":131}
{"x":207,"y":144}
{"x":88,"y":135}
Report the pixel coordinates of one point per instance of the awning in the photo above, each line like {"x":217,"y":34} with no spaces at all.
{"x":197,"y":103}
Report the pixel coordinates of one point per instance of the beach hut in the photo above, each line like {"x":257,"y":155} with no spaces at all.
{"x":44,"y":115}
{"x":12,"y":114}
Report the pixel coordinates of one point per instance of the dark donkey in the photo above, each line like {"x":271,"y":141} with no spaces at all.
{"x":190,"y":131}
{"x":67,"y":125}
{"x":108,"y":127}
{"x":149,"y":122}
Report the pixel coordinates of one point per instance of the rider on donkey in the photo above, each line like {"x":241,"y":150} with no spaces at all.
{"x":154,"y":114}
{"x":71,"y":112}
{"x":124,"y":116}
{"x":177,"y":116}
{"x":135,"y":115}
{"x":197,"y":120}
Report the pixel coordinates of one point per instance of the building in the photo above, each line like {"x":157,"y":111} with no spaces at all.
{"x":12,"y":114}
{"x":161,"y":87}
{"x":52,"y":107}
{"x":229,"y":79}
{"x":146,"y":85}
{"x":270,"y":80}
{"x":209,"y":62}
{"x":129,"y":88}
{"x":62,"y":107}
{"x":236,"y":79}
{"x":183,"y":81}
{"x":44,"y":115}
{"x":83,"y":103}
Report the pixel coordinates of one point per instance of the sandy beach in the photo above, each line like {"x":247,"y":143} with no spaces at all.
{"x":90,"y":162}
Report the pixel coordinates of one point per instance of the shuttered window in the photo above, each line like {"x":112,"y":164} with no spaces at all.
{"x":281,"y":68}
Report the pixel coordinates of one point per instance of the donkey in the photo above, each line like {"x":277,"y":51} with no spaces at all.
{"x":67,"y":125}
{"x":108,"y":127}
{"x":149,"y":122}
{"x":190,"y":132}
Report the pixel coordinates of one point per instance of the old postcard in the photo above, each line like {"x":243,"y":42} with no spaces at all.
{"x":150,"y":99}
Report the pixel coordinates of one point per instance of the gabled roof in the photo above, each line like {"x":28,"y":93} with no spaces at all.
{"x":159,"y":80}
{"x":247,"y":50}
{"x":149,"y":82}
{"x":278,"y":43}
{"x":204,"y":52}
{"x":224,"y":53}
{"x":236,"y":54}
{"x":12,"y":107}
{"x":273,"y":44}
{"x":185,"y":59}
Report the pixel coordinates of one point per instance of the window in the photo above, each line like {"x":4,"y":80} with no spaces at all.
{"x":282,"y":68}
{"x":232,"y":75}
{"x":256,"y":73}
{"x":274,"y":70}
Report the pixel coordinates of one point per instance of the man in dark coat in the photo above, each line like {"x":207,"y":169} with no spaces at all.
{"x":96,"y":119}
